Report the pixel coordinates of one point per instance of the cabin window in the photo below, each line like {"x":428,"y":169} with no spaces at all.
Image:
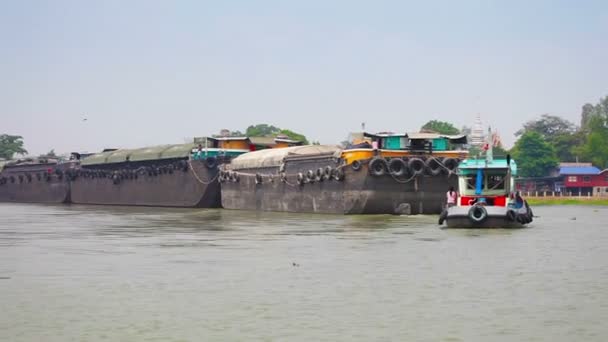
{"x":572,"y":179}
{"x":587,"y":179}
{"x":472,"y":182}
{"x":496,"y":182}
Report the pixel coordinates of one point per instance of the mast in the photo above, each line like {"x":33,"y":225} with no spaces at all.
{"x":490,"y":145}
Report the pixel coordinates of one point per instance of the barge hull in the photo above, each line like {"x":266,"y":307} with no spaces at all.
{"x":358,"y":193}
{"x":195,"y":187}
{"x":35,"y":184}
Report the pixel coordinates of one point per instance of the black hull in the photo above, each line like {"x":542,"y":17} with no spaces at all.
{"x":195,"y":186}
{"x":358,"y":192}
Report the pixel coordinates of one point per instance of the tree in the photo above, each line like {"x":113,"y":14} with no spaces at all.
{"x":589,"y":111}
{"x":535,"y":157}
{"x":294,"y":136}
{"x":595,"y":148}
{"x":548,"y":126}
{"x":562,"y":134}
{"x":229,"y":133}
{"x":262,"y":130}
{"x":11,"y":145}
{"x":567,"y":145}
{"x":440,"y":127}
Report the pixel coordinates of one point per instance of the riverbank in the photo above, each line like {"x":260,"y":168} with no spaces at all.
{"x":567,"y":201}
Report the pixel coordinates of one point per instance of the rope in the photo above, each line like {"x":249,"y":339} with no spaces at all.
{"x":402,"y":181}
{"x":450,"y":172}
{"x":198,"y":178}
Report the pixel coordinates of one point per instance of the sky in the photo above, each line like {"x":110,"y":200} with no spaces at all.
{"x":87,"y":75}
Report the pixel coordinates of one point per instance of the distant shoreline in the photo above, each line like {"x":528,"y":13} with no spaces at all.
{"x":587,"y":201}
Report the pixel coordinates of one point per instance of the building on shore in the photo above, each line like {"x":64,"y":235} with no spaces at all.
{"x":569,"y":179}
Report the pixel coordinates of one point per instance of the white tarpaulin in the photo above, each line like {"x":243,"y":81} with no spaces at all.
{"x":274,"y":157}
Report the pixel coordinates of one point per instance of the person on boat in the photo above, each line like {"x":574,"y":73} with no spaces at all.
{"x":519,"y":201}
{"x":375,"y":146}
{"x":199,"y":152}
{"x":451,"y":197}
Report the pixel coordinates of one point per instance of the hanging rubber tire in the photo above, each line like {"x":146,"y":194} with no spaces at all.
{"x":211,"y":162}
{"x":378,"y":166}
{"x":450,"y":164}
{"x":416,"y":166}
{"x":319,"y":174}
{"x":310,"y":176}
{"x":529,"y":212}
{"x":300,"y":178}
{"x":478,"y":213}
{"x":356,"y":165}
{"x":511,"y":215}
{"x":339,"y":174}
{"x":328,"y":172}
{"x":397,"y":167}
{"x":443,"y":216}
{"x":433,"y":166}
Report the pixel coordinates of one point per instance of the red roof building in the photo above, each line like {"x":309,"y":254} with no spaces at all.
{"x":572,"y":179}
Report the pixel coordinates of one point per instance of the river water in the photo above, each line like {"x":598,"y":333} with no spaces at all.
{"x":88,"y":273}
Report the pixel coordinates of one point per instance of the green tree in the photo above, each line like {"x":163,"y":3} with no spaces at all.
{"x":262,"y":130}
{"x":562,"y":134}
{"x":535,"y":157}
{"x":567,"y":145}
{"x":11,"y":145}
{"x":294,"y":136}
{"x":589,"y":111}
{"x":595,"y":148}
{"x":265,"y":130}
{"x":440,"y":127}
{"x":548,"y":126}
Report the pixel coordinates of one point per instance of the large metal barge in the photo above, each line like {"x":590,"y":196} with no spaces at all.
{"x":378,"y":174}
{"x":182,"y":175}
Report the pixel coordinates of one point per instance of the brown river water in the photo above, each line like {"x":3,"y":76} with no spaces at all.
{"x":92,"y":273}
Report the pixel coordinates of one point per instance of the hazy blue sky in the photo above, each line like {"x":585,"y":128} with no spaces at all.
{"x":155,"y":72}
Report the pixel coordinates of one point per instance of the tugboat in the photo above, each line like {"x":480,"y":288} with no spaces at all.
{"x":486,"y":198}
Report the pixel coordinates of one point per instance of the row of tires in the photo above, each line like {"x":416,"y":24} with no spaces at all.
{"x":28,"y":177}
{"x":409,"y":167}
{"x":115,"y":175}
{"x":478,"y":213}
{"x":311,"y":176}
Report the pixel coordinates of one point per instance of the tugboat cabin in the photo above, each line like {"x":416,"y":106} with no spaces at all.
{"x":483,"y":182}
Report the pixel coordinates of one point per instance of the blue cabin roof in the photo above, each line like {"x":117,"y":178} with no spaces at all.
{"x":579,"y":170}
